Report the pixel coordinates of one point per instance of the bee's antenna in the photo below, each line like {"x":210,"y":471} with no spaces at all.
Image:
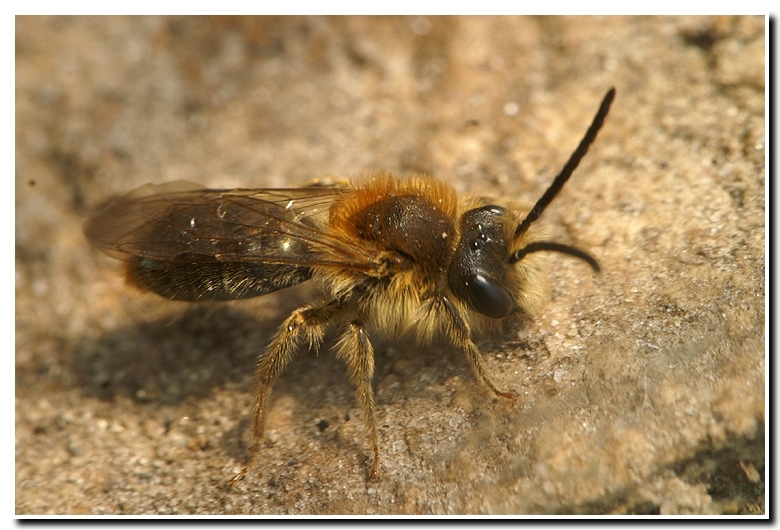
{"x":550,"y":246}
{"x":570,"y":166}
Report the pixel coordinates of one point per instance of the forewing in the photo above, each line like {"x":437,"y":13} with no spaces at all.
{"x":182,"y":222}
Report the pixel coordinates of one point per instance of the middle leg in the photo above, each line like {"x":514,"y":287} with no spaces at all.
{"x":354,"y":348}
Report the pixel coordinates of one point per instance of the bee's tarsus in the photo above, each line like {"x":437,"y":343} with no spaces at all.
{"x":238,"y":477}
{"x":374,"y":472}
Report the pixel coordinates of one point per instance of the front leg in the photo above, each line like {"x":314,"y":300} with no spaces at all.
{"x":460,"y":335}
{"x":309,"y":323}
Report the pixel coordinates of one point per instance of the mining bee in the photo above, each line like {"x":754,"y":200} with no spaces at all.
{"x":391,"y":256}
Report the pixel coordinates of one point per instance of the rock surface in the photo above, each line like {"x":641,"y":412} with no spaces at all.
{"x":642,"y":388}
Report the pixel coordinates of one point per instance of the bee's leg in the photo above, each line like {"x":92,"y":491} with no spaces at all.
{"x":354,"y":348}
{"x":307,"y":323}
{"x":460,"y":335}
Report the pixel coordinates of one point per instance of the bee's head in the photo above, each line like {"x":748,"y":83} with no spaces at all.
{"x":481,"y":273}
{"x":478,"y":271}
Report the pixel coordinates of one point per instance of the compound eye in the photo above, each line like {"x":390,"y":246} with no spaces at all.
{"x":489,"y":298}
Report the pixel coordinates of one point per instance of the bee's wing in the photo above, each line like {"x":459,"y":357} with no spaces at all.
{"x":180,"y":222}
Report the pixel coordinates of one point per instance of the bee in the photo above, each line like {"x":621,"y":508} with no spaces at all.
{"x":391,"y":256}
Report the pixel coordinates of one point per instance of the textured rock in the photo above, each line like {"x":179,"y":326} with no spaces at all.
{"x":642,"y":388}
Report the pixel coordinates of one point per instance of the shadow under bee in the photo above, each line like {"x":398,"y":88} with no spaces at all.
{"x":190,"y":353}
{"x":173,"y":358}
{"x":206,"y":348}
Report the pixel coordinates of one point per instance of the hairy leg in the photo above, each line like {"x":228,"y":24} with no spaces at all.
{"x":307,"y":323}
{"x":354,"y":348}
{"x":460,"y":335}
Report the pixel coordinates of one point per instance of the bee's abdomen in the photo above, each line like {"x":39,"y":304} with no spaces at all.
{"x":214,"y":281}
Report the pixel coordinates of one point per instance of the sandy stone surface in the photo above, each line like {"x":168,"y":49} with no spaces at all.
{"x":642,"y":388}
